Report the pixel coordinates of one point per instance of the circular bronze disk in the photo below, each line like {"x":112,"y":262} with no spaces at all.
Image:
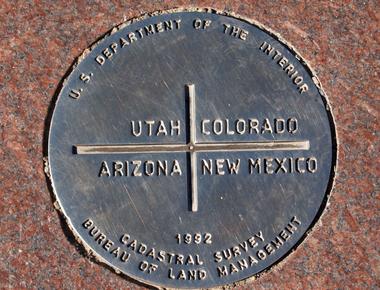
{"x":191,"y":149}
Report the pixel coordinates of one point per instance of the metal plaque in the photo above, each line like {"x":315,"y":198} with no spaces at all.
{"x":191,"y":149}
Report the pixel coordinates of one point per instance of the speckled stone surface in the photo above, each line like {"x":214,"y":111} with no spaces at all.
{"x":40,"y":40}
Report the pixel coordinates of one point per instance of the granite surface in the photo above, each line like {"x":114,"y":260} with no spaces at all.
{"x":41,"y":39}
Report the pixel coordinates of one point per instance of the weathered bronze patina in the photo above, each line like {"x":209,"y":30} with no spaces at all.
{"x":191,"y":149}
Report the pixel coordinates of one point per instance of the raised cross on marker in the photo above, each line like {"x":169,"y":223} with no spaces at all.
{"x":192,"y":147}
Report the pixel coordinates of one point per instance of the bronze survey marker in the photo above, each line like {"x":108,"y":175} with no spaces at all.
{"x":191,"y":149}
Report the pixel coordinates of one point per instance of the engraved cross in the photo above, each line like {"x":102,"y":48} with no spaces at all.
{"x":192,"y":147}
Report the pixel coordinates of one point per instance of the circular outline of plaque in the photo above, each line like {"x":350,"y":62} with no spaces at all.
{"x":163,"y":162}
